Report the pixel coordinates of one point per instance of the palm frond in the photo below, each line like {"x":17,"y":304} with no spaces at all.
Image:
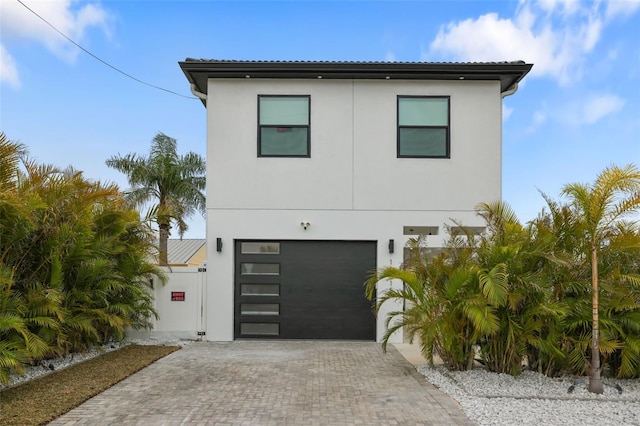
{"x":494,"y":284}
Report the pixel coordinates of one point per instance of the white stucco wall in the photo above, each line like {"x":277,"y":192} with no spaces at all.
{"x":353,"y":187}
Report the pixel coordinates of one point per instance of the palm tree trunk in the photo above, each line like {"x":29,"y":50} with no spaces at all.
{"x":595,"y":382}
{"x":162,"y":246}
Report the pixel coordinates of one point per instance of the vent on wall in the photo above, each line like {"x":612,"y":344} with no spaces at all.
{"x":420,"y":230}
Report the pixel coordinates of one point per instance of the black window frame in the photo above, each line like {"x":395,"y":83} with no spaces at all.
{"x":447,"y":128}
{"x":307,"y":126}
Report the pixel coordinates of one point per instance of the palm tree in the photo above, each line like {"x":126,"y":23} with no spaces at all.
{"x":523,"y":304}
{"x":172,"y":183}
{"x":74,"y":267}
{"x":446,"y":298}
{"x":613,"y":196}
{"x":10,"y":155}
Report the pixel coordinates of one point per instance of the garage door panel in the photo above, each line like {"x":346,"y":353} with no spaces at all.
{"x":326,"y":329}
{"x":320,"y":283}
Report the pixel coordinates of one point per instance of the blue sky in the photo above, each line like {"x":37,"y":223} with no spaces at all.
{"x":577,"y":112}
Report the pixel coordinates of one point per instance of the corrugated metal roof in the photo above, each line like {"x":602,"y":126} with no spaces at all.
{"x":180,"y":251}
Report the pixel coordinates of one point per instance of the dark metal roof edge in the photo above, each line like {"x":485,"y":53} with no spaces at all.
{"x":353,"y":67}
{"x":232,"y":61}
{"x":510,"y":73}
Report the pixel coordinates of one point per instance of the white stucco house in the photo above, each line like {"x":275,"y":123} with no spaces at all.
{"x":319,"y":172}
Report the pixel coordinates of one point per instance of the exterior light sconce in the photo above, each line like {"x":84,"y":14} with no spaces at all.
{"x":305,"y":224}
{"x":218,"y":244}
{"x":391,"y":246}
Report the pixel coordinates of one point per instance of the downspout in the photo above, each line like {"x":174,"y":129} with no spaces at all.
{"x":504,"y":94}
{"x":510,"y":91}
{"x":197,"y":94}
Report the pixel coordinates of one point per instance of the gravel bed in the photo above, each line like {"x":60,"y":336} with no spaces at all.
{"x":535,"y":399}
{"x":54,"y":364}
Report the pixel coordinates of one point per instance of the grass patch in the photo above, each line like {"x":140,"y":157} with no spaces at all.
{"x":43,"y":399}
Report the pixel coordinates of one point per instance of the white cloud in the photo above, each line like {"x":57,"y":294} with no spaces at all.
{"x":600,"y":106}
{"x":589,"y":110}
{"x":617,"y":8}
{"x":554,"y":35}
{"x":612,"y":54}
{"x":8,"y":69}
{"x":390,"y":57}
{"x":487,"y":38}
{"x":564,"y":7}
{"x":18,"y":23}
{"x":591,"y":33}
{"x":538,"y":119}
{"x":506,"y":112}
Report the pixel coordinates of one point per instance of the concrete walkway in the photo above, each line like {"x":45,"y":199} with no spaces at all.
{"x":273,"y":383}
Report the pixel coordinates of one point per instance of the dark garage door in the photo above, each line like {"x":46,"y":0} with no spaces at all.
{"x":303,"y":289}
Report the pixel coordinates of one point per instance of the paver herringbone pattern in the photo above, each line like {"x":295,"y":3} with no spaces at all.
{"x":273,"y":383}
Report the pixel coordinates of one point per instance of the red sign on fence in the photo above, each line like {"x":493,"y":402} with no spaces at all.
{"x":177,"y":296}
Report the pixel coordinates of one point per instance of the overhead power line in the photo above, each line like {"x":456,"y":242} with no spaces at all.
{"x":98,"y":59}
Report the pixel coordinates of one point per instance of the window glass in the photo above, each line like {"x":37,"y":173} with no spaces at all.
{"x":423,"y":127}
{"x":260,"y":268}
{"x":259,"y":309}
{"x":290,"y":110}
{"x":283,"y":141}
{"x":260,"y":289}
{"x":423,"y":112}
{"x":267,"y":329}
{"x":283,"y":126}
{"x":262,"y":247}
{"x":426,"y":142}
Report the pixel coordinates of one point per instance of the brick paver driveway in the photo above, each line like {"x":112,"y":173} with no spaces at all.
{"x":273,"y":383}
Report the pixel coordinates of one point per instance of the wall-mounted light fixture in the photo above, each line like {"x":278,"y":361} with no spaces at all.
{"x":391,"y":246}
{"x":218,"y":244}
{"x":305,"y":224}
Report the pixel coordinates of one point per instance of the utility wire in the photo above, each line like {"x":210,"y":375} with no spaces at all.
{"x":104,"y":62}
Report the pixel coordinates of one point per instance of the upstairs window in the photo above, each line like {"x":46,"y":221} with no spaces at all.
{"x":283,"y":126}
{"x":423,"y":126}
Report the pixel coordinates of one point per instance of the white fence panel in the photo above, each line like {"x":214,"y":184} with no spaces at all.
{"x":179,"y":304}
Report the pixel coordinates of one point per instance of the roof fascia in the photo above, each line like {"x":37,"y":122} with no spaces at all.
{"x":508,"y":73}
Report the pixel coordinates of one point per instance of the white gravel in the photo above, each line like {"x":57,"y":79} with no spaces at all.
{"x":535,"y":399}
{"x":55,"y":364}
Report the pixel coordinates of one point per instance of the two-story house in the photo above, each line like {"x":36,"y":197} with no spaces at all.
{"x":319,"y":172}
